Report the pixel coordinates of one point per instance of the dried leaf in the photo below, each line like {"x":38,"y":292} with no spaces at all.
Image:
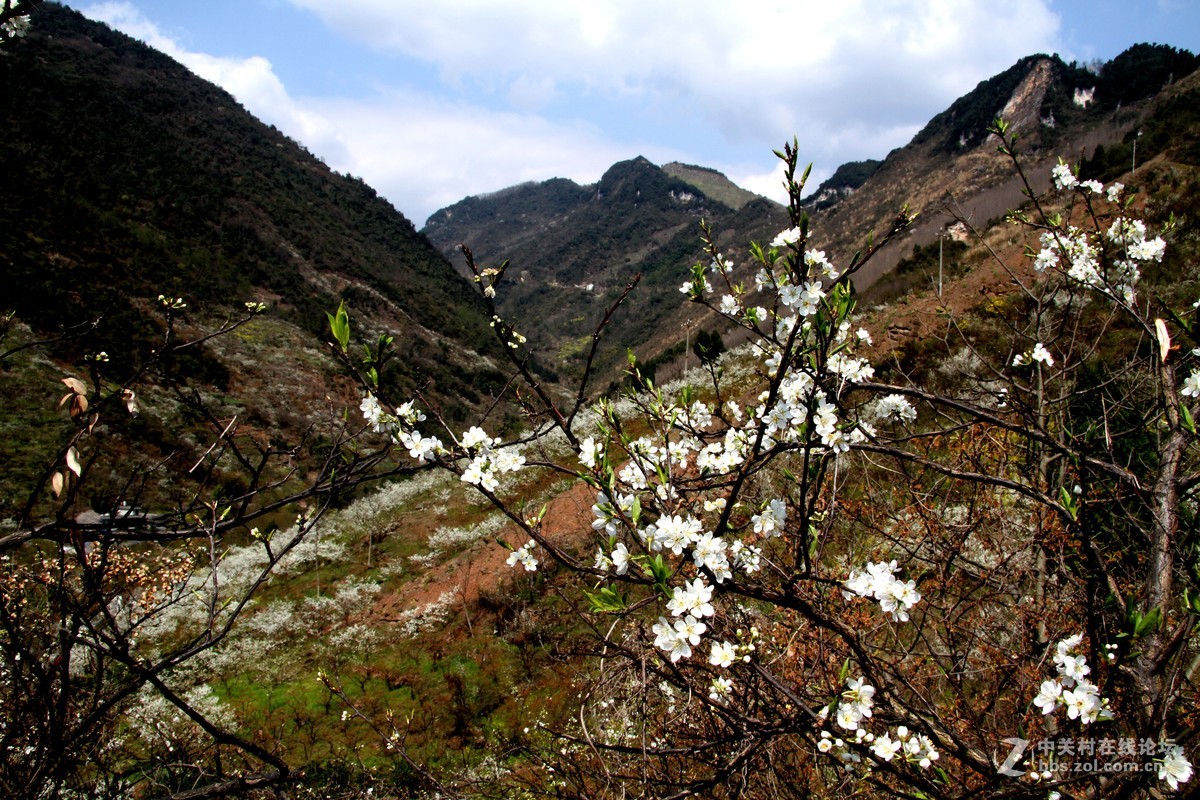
{"x":75,"y":385}
{"x":1164,"y":339}
{"x":79,"y":406}
{"x":73,"y":462}
{"x":56,"y":483}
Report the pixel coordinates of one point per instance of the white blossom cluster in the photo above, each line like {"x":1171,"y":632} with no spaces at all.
{"x":649,"y":505}
{"x":402,"y":426}
{"x":854,"y":708}
{"x":489,"y":459}
{"x":159,"y":723}
{"x":514,"y":340}
{"x":1072,"y":689}
{"x":1079,"y":254}
{"x":682,"y":536}
{"x":523,"y":555}
{"x":677,"y":639}
{"x":893,"y":407}
{"x":1039,"y":355}
{"x":1081,"y":698}
{"x":15,"y":26}
{"x":879,"y":581}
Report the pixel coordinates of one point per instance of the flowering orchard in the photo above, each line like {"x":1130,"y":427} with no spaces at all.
{"x":111,"y":623}
{"x":836,"y":577}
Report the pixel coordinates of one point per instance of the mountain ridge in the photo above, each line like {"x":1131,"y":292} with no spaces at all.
{"x":638,"y":219}
{"x":128,"y":177}
{"x":1057,"y":108}
{"x":198,"y":198}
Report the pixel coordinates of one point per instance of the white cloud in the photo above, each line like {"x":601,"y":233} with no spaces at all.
{"x":852,"y":79}
{"x":420,"y":152}
{"x":762,"y":71}
{"x":424,"y":154}
{"x":768,"y":184}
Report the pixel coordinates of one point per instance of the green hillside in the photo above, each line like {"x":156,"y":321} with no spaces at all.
{"x":573,"y":249}
{"x":128,"y":177}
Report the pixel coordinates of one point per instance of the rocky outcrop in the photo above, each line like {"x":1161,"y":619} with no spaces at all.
{"x":1023,"y":110}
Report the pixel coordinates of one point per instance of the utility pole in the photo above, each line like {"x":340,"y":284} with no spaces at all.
{"x":687,"y":346}
{"x":941,"y":239}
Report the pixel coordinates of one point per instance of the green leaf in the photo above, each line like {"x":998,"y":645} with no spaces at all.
{"x":1144,"y":624}
{"x":1191,"y":603}
{"x":1189,"y":424}
{"x":814,"y":542}
{"x":339,"y":326}
{"x":661,"y":573}
{"x":1069,"y":503}
{"x":605,"y":601}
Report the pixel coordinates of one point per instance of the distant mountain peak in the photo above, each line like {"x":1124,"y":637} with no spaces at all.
{"x":712,"y":183}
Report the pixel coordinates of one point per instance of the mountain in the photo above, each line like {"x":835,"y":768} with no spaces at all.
{"x":845,"y":180}
{"x":1058,"y":109}
{"x":574,"y":248}
{"x":712,"y":183}
{"x":127,"y":177}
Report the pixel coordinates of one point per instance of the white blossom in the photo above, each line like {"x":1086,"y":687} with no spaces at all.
{"x":885,"y":747}
{"x":474,"y":438}
{"x":1191,"y":385}
{"x":772,"y":519}
{"x":1048,"y":696}
{"x":1174,"y":768}
{"x":789,"y":236}
{"x":720,"y":688}
{"x":1064,"y":178}
{"x":590,"y":451}
{"x":692,"y":599}
{"x":722,"y":654}
{"x":878,"y":581}
{"x":524,"y":556}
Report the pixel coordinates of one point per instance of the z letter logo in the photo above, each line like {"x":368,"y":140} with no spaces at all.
{"x":1018,"y":750}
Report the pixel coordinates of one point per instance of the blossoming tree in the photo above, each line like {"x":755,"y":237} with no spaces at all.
{"x":825,"y":579}
{"x":106,"y":618}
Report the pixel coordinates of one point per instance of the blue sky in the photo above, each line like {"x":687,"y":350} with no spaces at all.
{"x":430,"y":102}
